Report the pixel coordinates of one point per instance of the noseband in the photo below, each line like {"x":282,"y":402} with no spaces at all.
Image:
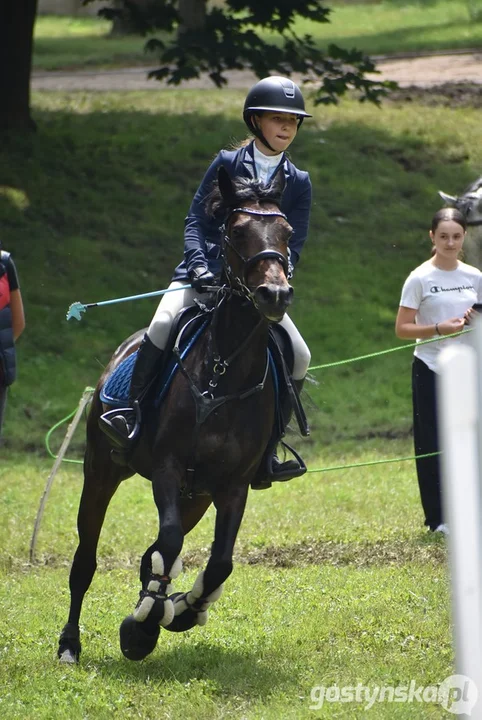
{"x":262,"y":255}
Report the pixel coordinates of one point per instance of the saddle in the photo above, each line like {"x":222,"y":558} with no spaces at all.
{"x":187,"y":328}
{"x":189,"y":324}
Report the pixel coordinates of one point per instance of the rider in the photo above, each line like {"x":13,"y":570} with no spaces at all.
{"x":273,"y":111}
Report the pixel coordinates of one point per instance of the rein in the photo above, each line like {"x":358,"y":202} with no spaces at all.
{"x":205,"y":401}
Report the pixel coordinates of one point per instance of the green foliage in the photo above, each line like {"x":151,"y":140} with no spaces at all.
{"x":373,"y":28}
{"x":231,"y":38}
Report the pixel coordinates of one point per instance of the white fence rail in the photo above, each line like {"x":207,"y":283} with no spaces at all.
{"x":460,"y":412}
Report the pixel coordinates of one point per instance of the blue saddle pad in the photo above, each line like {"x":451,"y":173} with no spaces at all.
{"x":115,"y":391}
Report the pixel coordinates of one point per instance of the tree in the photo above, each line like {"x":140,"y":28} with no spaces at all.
{"x":17,"y":18}
{"x":202,"y":38}
{"x":214,"y":38}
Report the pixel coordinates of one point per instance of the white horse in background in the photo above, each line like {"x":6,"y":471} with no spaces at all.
{"x":470,"y":204}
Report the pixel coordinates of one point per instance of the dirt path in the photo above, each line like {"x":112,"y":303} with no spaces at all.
{"x":425,"y":72}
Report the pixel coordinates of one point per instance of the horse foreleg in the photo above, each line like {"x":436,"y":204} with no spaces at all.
{"x":96,"y":495}
{"x":191,"y":608}
{"x":160,"y":564}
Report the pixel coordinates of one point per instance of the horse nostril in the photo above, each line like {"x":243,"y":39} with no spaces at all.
{"x":263,"y":295}
{"x":274,"y":295}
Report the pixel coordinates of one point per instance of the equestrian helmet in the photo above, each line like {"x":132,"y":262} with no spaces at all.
{"x":274,"y":94}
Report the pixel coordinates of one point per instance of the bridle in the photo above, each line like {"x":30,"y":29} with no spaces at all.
{"x":206,"y":402}
{"x":248,"y":263}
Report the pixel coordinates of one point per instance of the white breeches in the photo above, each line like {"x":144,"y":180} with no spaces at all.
{"x":173,"y":302}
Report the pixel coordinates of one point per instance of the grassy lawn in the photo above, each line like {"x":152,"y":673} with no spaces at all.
{"x":335,"y":578}
{"x":344,"y":588}
{"x":104,"y":188}
{"x":63,"y":43}
{"x":376,"y":28}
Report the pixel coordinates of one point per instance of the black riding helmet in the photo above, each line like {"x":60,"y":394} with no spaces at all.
{"x":273,"y":94}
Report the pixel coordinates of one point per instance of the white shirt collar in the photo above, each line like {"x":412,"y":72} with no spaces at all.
{"x":266,"y":160}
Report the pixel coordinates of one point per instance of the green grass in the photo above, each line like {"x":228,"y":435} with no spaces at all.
{"x":391,"y":27}
{"x":376,"y":28}
{"x":93,"y":207}
{"x":63,"y":43}
{"x":345,"y":588}
{"x":335,"y":577}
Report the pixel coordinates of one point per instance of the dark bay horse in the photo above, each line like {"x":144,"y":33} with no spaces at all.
{"x":208,"y":437}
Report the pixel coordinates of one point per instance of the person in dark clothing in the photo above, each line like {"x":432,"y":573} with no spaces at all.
{"x":12,"y":324}
{"x":274,"y":110}
{"x":437,"y":300}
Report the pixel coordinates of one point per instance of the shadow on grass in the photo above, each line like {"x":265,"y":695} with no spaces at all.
{"x":235,"y":671}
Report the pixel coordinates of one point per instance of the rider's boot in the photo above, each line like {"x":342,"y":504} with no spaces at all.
{"x":122,"y":425}
{"x":277,"y":470}
{"x":281,"y":471}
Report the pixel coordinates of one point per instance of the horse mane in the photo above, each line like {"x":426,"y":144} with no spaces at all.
{"x":245,"y":190}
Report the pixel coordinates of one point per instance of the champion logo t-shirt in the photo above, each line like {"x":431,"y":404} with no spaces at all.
{"x":439,"y":295}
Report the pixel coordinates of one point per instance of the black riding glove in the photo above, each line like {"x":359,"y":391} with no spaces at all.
{"x":200,"y":277}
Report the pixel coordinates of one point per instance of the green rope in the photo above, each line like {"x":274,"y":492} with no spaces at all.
{"x":54,"y":427}
{"x":384,"y":352}
{"x":314,"y":367}
{"x":373,"y":462}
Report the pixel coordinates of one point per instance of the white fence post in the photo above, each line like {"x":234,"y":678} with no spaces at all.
{"x":459,"y":412}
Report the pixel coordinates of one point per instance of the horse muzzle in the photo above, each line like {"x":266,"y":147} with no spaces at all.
{"x":273,"y":300}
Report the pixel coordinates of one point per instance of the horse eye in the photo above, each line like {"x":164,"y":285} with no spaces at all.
{"x":237,"y":232}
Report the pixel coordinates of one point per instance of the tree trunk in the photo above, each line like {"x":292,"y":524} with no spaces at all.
{"x":17,"y":19}
{"x":192,"y":14}
{"x":123,"y":25}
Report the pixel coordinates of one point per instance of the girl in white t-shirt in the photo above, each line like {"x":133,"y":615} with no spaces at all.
{"x":437,"y":300}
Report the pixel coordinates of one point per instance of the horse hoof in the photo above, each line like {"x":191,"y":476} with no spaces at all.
{"x":185,"y":620}
{"x":69,"y":644}
{"x":68,"y":657}
{"x":135,"y":642}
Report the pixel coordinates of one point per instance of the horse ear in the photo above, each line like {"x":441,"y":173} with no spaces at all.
{"x":278,"y":181}
{"x":448,"y":199}
{"x":226,"y":187}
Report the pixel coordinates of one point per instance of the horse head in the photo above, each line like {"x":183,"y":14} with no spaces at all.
{"x":469,"y":203}
{"x":255,"y":241}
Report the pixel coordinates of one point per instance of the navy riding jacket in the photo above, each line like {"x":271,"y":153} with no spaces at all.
{"x":202,"y":233}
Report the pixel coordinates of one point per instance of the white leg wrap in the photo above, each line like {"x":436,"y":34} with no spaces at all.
{"x":168,"y":616}
{"x":184,"y":602}
{"x":176,"y":568}
{"x":141,"y":612}
{"x":175,"y":572}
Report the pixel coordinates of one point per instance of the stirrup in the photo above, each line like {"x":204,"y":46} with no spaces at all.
{"x":119,"y":439}
{"x":282,"y":472}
